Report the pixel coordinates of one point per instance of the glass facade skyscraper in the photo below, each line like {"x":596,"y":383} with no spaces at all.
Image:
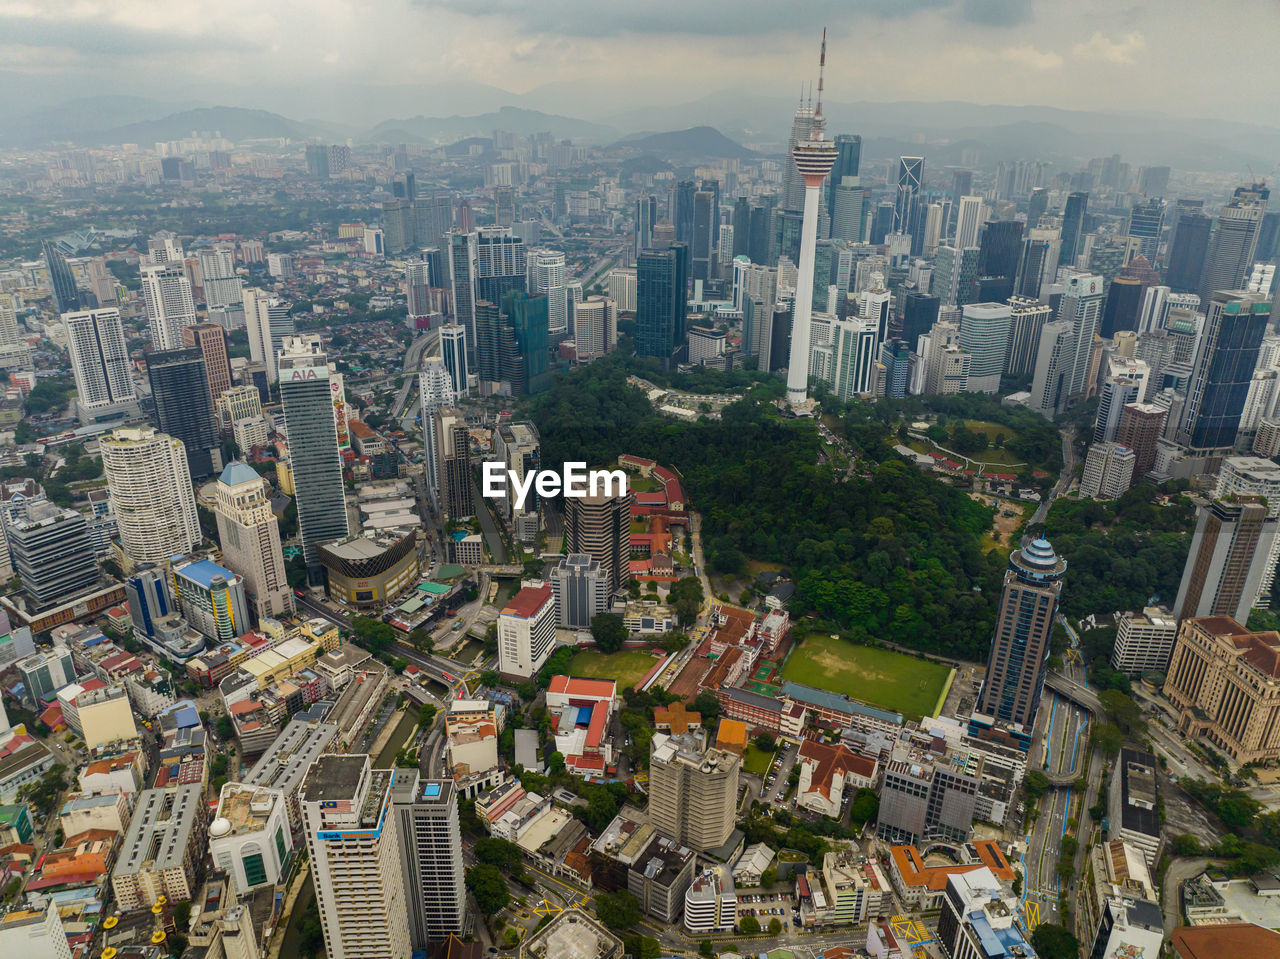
{"x":662,"y":304}
{"x":180,"y":388}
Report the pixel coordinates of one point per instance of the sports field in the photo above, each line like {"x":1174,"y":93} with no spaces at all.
{"x":626,"y":668}
{"x":879,"y":677}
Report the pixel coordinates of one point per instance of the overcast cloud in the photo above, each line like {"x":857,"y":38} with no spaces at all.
{"x":594,"y":58}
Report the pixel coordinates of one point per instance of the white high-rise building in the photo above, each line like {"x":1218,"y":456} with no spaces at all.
{"x":100,"y":365}
{"x":268,"y":322}
{"x":852,"y":351}
{"x":1081,"y":306}
{"x":1144,"y":641}
{"x":1108,"y":471}
{"x":430,"y":856}
{"x":453,"y":349}
{"x":969,"y":221}
{"x":151,"y":494}
{"x":34,"y":933}
{"x":984,"y":335}
{"x":546,"y":278}
{"x":595,"y":326}
{"x":527,"y":631}
{"x":166,"y":291}
{"x":417,"y":284}
{"x":946,"y":364}
{"x":222,"y":288}
{"x":9,"y":331}
{"x":249,"y":534}
{"x":1052,"y":374}
{"x":353,"y":841}
{"x":237,"y":403}
{"x":1254,"y":476}
{"x":164,"y":248}
{"x":622,"y":288}
{"x":1126,"y":382}
{"x":435,"y":388}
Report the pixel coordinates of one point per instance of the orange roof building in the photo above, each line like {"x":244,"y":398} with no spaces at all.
{"x":732,"y":736}
{"x":922,"y":886}
{"x":828,"y":773}
{"x":1239,"y":939}
{"x":675,"y":719}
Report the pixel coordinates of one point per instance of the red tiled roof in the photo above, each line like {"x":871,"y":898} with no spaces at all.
{"x":574,"y":686}
{"x":528,"y":602}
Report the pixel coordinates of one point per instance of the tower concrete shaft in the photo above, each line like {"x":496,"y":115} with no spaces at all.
{"x":814,"y":158}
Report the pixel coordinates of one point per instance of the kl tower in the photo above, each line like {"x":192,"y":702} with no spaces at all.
{"x":814,"y":159}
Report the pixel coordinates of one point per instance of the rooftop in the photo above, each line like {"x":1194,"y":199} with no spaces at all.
{"x":1233,"y":939}
{"x":572,"y":935}
{"x":528,"y":601}
{"x":334,"y":778}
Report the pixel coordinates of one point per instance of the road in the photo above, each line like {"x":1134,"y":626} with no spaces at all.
{"x":1064,"y":480}
{"x":600,"y":269}
{"x":488,"y":526}
{"x":412,"y":364}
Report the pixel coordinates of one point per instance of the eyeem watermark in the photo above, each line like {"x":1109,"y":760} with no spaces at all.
{"x":575,"y":482}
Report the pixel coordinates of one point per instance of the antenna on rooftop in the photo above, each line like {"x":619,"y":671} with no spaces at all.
{"x":822,"y":63}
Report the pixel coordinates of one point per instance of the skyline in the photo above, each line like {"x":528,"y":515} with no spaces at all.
{"x":541,"y":57}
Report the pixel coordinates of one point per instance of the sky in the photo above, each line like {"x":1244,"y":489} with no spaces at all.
{"x":595,"y":58}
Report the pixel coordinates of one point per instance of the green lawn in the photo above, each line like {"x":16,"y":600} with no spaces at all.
{"x":880,"y":677}
{"x":626,"y":668}
{"x":756,"y":760}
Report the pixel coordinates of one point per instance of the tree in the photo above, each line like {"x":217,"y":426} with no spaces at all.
{"x":490,"y":678}
{"x":707,"y":705}
{"x":765,"y":742}
{"x":608,"y":631}
{"x":865,"y":806}
{"x":1017,"y":883}
{"x":421,"y":641}
{"x":487,"y":884}
{"x":705,"y":948}
{"x":618,"y":910}
{"x":1052,"y":941}
{"x":775,"y":926}
{"x":502,"y":853}
{"x":673,"y":641}
{"x":749,"y":925}
{"x":686,"y":598}
{"x":768,"y":878}
{"x":555,"y":763}
{"x":1037,"y":784}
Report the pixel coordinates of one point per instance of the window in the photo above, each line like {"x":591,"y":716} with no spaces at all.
{"x":255,"y":872}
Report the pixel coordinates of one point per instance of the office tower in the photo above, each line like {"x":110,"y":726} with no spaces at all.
{"x":318,"y":161}
{"x":1027,"y":320}
{"x":702,"y":237}
{"x":1233,"y":243}
{"x":353,"y":843}
{"x":1108,"y":471}
{"x":662,"y":304}
{"x":1253,"y":476}
{"x":814,"y":158}
{"x":946,"y":365}
{"x":910,"y":179}
{"x":211,"y":340}
{"x":693,"y":789}
{"x":433,"y":215}
{"x":999,"y":250}
{"x":527,"y":632}
{"x":1141,"y":425}
{"x":1039,"y":263}
{"x":1231,"y":550}
{"x":1037,"y":205}
{"x":249,"y":536}
{"x":600,"y":527}
{"x":504,"y":209}
{"x":984,"y":335}
{"x":435,"y":387}
{"x":1188,"y":249}
{"x":462,"y":277}
{"x":151,"y":494}
{"x":222,"y":288}
{"x":969,"y":221}
{"x":847,"y":362}
{"x":100,"y":365}
{"x":453,"y":350}
{"x":1081,"y":305}
{"x":582,"y":590}
{"x":212,"y":599}
{"x":1124,"y":383}
{"x":313,"y":448}
{"x":236,"y":404}
{"x":50,"y":550}
{"x":66,"y":298}
{"x":849,"y":219}
{"x":681,"y":211}
{"x":1146,"y":221}
{"x":1234,"y":326}
{"x":954,"y":271}
{"x":511,"y":344}
{"x":546,"y":278}
{"x":919,"y":313}
{"x":1153,"y":180}
{"x":760,"y":243}
{"x":1052,"y":376}
{"x":977,"y":918}
{"x":454,"y":463}
{"x":183,"y":407}
{"x":1073,"y":227}
{"x":848,"y":158}
{"x":9,"y":331}
{"x":1014,"y":683}
{"x":793,"y":184}
{"x":268,"y":322}
{"x":166,"y":291}
{"x":646,"y":216}
{"x":417,"y":287}
{"x":595,"y":326}
{"x":1122,"y":308}
{"x":500,"y":264}
{"x":398,"y":225}
{"x":430,"y":840}
{"x":895,"y":357}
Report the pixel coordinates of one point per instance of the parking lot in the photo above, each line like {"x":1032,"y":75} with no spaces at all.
{"x":775,"y":780}
{"x":769,"y":905}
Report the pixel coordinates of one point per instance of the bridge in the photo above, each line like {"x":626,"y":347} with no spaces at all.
{"x":508,"y":570}
{"x":1081,"y":695}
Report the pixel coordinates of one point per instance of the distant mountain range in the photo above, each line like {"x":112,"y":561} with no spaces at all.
{"x":725,"y":125}
{"x":701,"y":141}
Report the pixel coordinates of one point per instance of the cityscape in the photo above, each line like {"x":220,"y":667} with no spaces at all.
{"x":652,"y":514}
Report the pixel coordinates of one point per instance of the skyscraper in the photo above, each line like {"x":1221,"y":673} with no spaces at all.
{"x":1146,"y":220}
{"x":211,"y":340}
{"x":848,"y":159}
{"x":166,"y":291}
{"x":1027,"y":319}
{"x":1188,"y":248}
{"x":268,"y":321}
{"x":1125,"y":382}
{"x":1081,"y":305}
{"x":595,"y":326}
{"x":398,"y":225}
{"x":183,"y":407}
{"x":1019,"y":660}
{"x":662,"y":303}
{"x":435,"y":387}
{"x":430,"y":840}
{"x":249,"y":535}
{"x":504,"y":209}
{"x":1037,"y":204}
{"x":462,"y":278}
{"x":702,"y":238}
{"x":546,"y":278}
{"x":313,"y":448}
{"x":984,"y":335}
{"x":1073,"y":227}
{"x":681,"y":212}
{"x":1141,"y":425}
{"x":50,"y":550}
{"x":1254,"y":476}
{"x":453,"y":441}
{"x":434,"y":215}
{"x":66,"y":298}
{"x":646,"y":217}
{"x":500,"y":264}
{"x":969,"y":220}
{"x":100,"y":365}
{"x":1230,"y":552}
{"x":1234,"y":326}
{"x":600,"y":527}
{"x":910,"y":180}
{"x":151,"y":494}
{"x":222,"y":288}
{"x":417,"y":287}
{"x":1234,"y":240}
{"x":693,"y":789}
{"x":353,"y":842}
{"x":453,"y":350}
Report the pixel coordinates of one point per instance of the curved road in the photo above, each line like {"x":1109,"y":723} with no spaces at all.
{"x":1064,"y":479}
{"x":412,"y":364}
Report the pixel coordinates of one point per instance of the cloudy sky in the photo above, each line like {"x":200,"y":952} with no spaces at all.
{"x":593,"y":58}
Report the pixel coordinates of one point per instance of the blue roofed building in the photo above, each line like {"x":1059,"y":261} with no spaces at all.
{"x":840,"y":709}
{"x":980,"y":919}
{"x":212,"y":598}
